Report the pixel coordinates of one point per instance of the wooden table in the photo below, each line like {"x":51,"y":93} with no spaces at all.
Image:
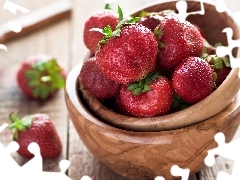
{"x":63,"y":40}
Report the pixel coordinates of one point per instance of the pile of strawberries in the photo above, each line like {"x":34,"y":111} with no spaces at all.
{"x":149,"y":65}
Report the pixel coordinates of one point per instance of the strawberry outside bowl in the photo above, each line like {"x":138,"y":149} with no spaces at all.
{"x":143,"y":148}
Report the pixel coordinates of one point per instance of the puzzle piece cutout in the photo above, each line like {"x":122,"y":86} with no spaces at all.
{"x":12,"y":7}
{"x":12,"y":25}
{"x":85,"y":178}
{"x":159,"y":178}
{"x":221,"y":6}
{"x":182,"y":10}
{"x":226,"y":150}
{"x":222,"y":51}
{"x":177,"y":171}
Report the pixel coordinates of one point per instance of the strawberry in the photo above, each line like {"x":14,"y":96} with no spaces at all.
{"x":221,"y":66}
{"x":127,"y":53}
{"x":130,"y":56}
{"x":193,"y":79}
{"x":36,"y":128}
{"x":222,"y":74}
{"x":149,"y":97}
{"x":98,"y":20}
{"x":93,"y":80}
{"x":177,"y":41}
{"x":40,"y":77}
{"x":151,"y":20}
{"x":119,"y":107}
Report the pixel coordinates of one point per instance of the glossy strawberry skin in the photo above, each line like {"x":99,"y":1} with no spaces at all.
{"x":43,"y":132}
{"x":156,"y":101}
{"x":193,"y":79}
{"x":23,"y":80}
{"x":180,"y":41}
{"x":99,"y":20}
{"x":221,"y":75}
{"x":130,"y":56}
{"x":93,"y":80}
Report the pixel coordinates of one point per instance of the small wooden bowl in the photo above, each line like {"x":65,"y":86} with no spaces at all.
{"x":211,"y":105}
{"x":137,"y":150}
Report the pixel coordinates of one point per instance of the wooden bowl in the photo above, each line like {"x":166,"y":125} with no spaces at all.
{"x":145,"y":155}
{"x":210,"y":106}
{"x":143,"y":148}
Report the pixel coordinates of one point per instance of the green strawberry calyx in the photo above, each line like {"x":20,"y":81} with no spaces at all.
{"x":19,"y":125}
{"x":109,"y":33}
{"x":218,"y":62}
{"x":107,"y":6}
{"x":156,"y":15}
{"x":159,"y":33}
{"x":179,"y":103}
{"x":45,"y":77}
{"x":144,"y":84}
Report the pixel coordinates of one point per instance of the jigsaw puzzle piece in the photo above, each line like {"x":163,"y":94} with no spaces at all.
{"x":221,"y":6}
{"x":85,"y":178}
{"x":177,"y":171}
{"x":182,"y":10}
{"x":222,"y":51}
{"x":35,"y":164}
{"x":159,"y":178}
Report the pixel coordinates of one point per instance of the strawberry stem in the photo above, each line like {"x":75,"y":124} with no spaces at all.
{"x":18,"y":124}
{"x":143,"y":85}
{"x":107,"y":6}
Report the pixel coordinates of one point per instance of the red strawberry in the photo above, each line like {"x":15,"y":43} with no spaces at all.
{"x":40,"y":77}
{"x":92,"y":79}
{"x":177,"y":41}
{"x":119,"y":107}
{"x":99,"y":20}
{"x":130,"y":56}
{"x":222,"y":74}
{"x":150,"y":97}
{"x":193,"y":79}
{"x":36,"y":128}
{"x":221,"y":66}
{"x":152,"y":20}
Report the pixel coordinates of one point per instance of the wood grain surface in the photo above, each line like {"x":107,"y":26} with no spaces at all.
{"x":63,"y":40}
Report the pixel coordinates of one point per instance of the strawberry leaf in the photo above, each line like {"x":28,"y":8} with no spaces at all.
{"x":158,"y":32}
{"x":19,"y":125}
{"x":143,"y":85}
{"x":120,"y":14}
{"x":218,"y":64}
{"x":107,"y":6}
{"x":143,"y":13}
{"x":109,"y":33}
{"x":226,"y":61}
{"x":160,"y":44}
{"x":132,"y":20}
{"x":179,"y":103}
{"x":45,"y":77}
